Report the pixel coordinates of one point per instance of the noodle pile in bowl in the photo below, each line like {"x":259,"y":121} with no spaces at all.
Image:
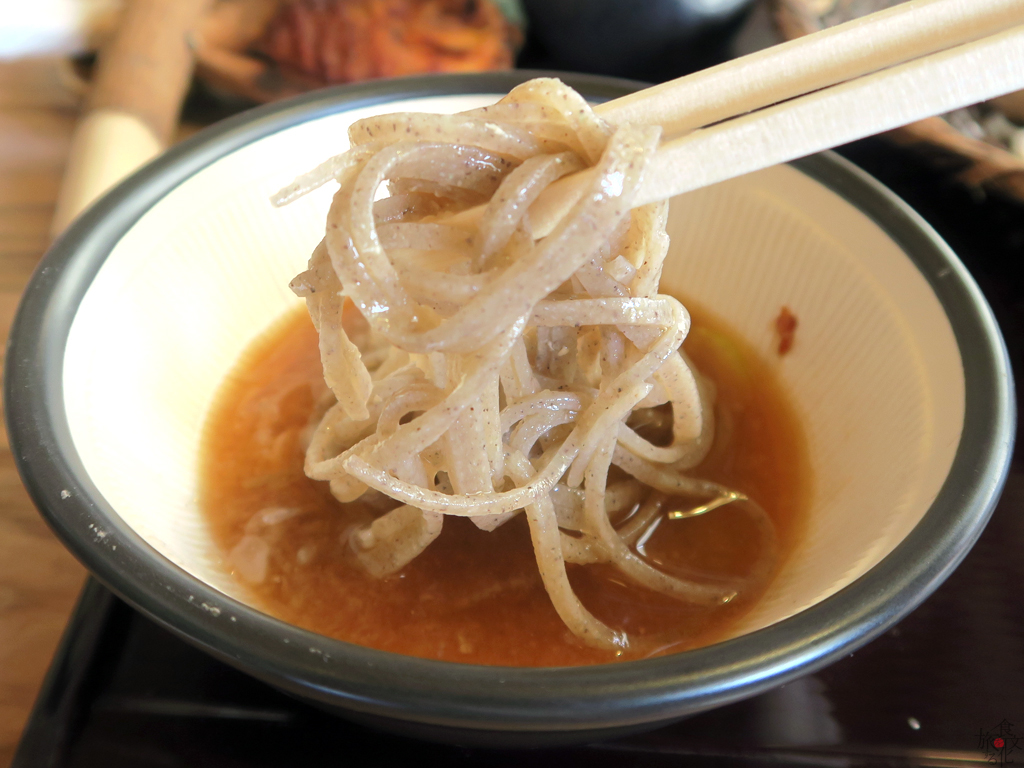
{"x":482,"y":372}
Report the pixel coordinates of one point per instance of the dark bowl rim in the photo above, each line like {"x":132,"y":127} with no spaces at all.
{"x":459,"y":695}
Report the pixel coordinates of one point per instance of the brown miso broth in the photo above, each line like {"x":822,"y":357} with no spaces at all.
{"x":473,"y":596}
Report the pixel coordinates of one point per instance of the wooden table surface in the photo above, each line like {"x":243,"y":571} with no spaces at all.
{"x":39,"y":579}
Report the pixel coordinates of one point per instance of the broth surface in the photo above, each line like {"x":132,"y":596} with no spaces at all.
{"x":473,"y":596}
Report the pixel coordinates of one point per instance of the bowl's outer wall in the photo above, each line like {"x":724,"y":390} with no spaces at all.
{"x":569,"y":704}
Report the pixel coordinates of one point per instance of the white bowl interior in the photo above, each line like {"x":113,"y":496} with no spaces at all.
{"x":876,"y":375}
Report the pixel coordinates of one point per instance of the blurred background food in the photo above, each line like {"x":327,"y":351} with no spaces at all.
{"x":254,"y":51}
{"x":269,"y":49}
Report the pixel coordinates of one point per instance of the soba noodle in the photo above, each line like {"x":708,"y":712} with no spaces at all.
{"x":479,"y":371}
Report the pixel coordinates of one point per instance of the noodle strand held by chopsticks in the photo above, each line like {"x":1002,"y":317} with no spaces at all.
{"x":491,"y":373}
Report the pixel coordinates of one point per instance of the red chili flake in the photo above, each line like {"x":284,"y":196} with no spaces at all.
{"x":785,"y":325}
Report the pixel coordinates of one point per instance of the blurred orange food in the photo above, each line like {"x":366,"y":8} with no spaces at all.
{"x":340,"y":41}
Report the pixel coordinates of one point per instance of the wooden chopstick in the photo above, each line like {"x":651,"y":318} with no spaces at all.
{"x":879,"y":102}
{"x":845,"y":104}
{"x":856,"y":48}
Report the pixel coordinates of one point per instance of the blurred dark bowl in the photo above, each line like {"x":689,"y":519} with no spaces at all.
{"x":650,"y":40}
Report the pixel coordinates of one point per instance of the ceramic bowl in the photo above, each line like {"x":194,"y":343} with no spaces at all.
{"x":899,"y":376}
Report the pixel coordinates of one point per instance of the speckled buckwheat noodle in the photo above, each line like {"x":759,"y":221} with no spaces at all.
{"x":497,"y":372}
